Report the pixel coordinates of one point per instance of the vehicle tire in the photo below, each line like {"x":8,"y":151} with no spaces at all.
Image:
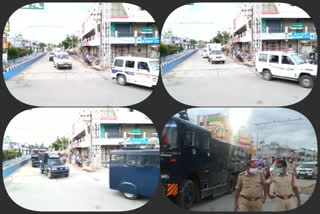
{"x":297,"y":176}
{"x":222,"y":62}
{"x":267,"y":75}
{"x":66,"y":175}
{"x":41,"y":170}
{"x":49,"y":174}
{"x":129,"y":196}
{"x":121,"y":80}
{"x":231,"y":184}
{"x":306,"y":81}
{"x":209,"y":59}
{"x":70,"y":67}
{"x":211,"y":62}
{"x":186,"y":196}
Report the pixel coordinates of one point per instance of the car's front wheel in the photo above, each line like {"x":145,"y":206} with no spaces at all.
{"x":267,"y":75}
{"x":121,"y":79}
{"x":50,"y":174}
{"x":130,"y":196}
{"x":306,"y":81}
{"x":186,"y":196}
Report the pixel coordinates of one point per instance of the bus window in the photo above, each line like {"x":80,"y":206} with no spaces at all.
{"x":170,"y":135}
{"x":133,"y":160}
{"x":204,"y":141}
{"x":117,"y":159}
{"x":151,"y":160}
{"x":189,"y":137}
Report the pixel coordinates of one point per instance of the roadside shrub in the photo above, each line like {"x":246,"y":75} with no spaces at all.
{"x":13,"y":53}
{"x":4,"y":156}
{"x":164,"y":50}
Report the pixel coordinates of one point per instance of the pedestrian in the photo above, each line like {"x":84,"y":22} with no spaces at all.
{"x":251,"y":189}
{"x":284,"y":188}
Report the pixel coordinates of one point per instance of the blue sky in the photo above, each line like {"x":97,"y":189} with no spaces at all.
{"x":201,"y":20}
{"x":50,"y":25}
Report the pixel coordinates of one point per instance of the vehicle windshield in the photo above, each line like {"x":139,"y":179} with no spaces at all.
{"x":307,"y":165}
{"x":64,"y":56}
{"x":54,"y":162}
{"x":216,"y":52}
{"x":154,"y":65}
{"x":298,"y":60}
{"x":170,"y":136}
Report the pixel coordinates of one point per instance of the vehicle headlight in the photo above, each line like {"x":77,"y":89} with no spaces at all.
{"x":54,"y":168}
{"x":66,"y":167}
{"x":165,"y":176}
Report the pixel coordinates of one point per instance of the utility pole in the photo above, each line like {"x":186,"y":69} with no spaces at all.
{"x":106,"y":34}
{"x":256,"y":42}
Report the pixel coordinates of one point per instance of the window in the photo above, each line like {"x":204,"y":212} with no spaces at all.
{"x":132,"y":160}
{"x":263,"y":57}
{"x":151,"y":160}
{"x":143,"y":66}
{"x":274,"y":59}
{"x":286,"y":60}
{"x":204,"y":141}
{"x":188,"y":137}
{"x":117,"y":158}
{"x":129,"y":64}
{"x":118,"y":63}
{"x":170,"y":135}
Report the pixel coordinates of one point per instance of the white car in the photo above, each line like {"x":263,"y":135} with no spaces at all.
{"x":285,"y":65}
{"x":62,"y":60}
{"x":205,"y":53}
{"x":135,"y":70}
{"x":307,"y":170}
{"x":216,"y":56}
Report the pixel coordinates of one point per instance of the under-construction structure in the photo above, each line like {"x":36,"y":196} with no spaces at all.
{"x":273,"y":27}
{"x":118,"y":29}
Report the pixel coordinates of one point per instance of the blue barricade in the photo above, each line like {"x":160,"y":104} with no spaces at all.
{"x":170,"y":64}
{"x":7,"y":170}
{"x":10,"y":72}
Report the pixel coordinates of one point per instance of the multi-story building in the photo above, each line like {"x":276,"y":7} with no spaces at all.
{"x":112,"y":129}
{"x":283,"y":27}
{"x":19,"y":42}
{"x":133,"y":32}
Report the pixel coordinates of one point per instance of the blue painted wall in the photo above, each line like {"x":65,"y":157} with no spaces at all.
{"x":7,"y":171}
{"x":7,"y":75}
{"x":167,"y":66}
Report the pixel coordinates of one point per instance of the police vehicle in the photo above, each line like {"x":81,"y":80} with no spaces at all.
{"x":195,"y":166}
{"x":134,"y":172}
{"x":35,"y":156}
{"x":51,"y":165}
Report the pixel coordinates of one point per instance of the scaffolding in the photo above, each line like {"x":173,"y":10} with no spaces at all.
{"x":106,"y":34}
{"x":256,"y":42}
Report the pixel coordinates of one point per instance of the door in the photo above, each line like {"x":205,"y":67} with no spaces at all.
{"x":288,"y":67}
{"x":143,"y":74}
{"x":274,"y":65}
{"x":129,"y":69}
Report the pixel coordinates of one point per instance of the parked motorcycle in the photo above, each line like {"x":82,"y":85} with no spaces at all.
{"x":240,"y":57}
{"x":87,"y":59}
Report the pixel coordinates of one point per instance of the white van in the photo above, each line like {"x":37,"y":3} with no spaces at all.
{"x":135,"y":70}
{"x":285,"y":65}
{"x":205,"y":53}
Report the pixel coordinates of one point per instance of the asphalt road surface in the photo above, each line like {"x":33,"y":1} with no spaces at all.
{"x":43,"y":85}
{"x":225,"y":203}
{"x":81,"y":191}
{"x":200,"y":83}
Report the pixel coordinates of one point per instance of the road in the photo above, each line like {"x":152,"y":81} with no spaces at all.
{"x":43,"y":85}
{"x":200,"y":83}
{"x":81,"y":191}
{"x":225,"y":203}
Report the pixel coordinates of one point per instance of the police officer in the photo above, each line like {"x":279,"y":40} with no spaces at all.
{"x":251,"y":190}
{"x":284,"y":187}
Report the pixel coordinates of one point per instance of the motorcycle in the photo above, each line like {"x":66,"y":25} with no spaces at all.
{"x":240,"y":57}
{"x":87,"y":59}
{"x":79,"y":162}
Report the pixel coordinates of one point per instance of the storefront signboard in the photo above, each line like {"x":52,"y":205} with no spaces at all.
{"x":148,"y":40}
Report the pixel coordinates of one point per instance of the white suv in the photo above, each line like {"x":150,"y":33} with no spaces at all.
{"x":307,"y":169}
{"x":216,"y":56}
{"x":285,"y":65}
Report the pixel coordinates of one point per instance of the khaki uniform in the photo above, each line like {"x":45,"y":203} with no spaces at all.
{"x":283,"y":191}
{"x":251,"y":191}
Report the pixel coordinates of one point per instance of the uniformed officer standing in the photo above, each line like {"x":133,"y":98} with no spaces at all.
{"x":251,"y":190}
{"x":284,"y":187}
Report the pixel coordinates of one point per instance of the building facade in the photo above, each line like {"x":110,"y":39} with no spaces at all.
{"x":133,"y":32}
{"x":283,"y":27}
{"x":112,"y":129}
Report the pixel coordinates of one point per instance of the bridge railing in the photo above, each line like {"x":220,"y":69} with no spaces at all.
{"x":171,"y":61}
{"x":12,"y":165}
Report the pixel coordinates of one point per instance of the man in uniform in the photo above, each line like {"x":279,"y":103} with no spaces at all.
{"x":251,"y":190}
{"x":284,"y":187}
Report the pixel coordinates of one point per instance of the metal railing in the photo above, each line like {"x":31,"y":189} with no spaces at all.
{"x":11,"y":162}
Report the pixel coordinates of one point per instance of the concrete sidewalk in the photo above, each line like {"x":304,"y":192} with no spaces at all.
{"x":95,"y":67}
{"x":246,"y":62}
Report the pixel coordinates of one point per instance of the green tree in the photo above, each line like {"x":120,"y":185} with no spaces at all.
{"x":13,"y":52}
{"x":164,"y":50}
{"x":60,"y":144}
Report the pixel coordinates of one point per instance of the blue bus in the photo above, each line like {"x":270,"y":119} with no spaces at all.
{"x":134,"y":172}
